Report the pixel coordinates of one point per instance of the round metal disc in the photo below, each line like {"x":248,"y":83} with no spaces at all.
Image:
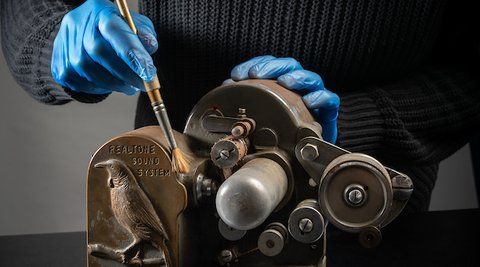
{"x":308,"y":209}
{"x":358,"y":169}
{"x":370,"y":237}
{"x":230,"y":233}
{"x":271,"y":242}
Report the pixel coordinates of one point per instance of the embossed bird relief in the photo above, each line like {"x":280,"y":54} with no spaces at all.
{"x":134,"y":211}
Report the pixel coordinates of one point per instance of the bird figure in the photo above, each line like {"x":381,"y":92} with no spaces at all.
{"x":134,"y":211}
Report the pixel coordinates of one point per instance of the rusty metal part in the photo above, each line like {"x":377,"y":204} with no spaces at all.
{"x":228,"y":151}
{"x":243,"y":128}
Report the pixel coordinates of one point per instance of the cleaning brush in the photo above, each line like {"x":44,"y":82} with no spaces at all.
{"x":179,"y":161}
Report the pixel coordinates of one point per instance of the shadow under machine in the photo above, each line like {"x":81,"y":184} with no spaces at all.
{"x":261,"y":189}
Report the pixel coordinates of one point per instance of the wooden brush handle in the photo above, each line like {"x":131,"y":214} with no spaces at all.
{"x":123,"y":7}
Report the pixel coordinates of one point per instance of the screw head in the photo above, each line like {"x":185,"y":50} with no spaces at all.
{"x":355,"y":195}
{"x":305,"y":225}
{"x":226,"y":256}
{"x":224,"y":154}
{"x":237,"y":131}
{"x":309,"y":152}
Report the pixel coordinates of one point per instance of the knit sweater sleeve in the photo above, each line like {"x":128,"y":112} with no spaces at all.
{"x":428,"y":114}
{"x":423,"y":118}
{"x":28,"y":29}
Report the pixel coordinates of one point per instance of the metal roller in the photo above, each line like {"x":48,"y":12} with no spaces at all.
{"x":229,"y":233}
{"x":272,"y":241}
{"x":355,"y":191}
{"x":250,"y":195}
{"x":306,"y":223}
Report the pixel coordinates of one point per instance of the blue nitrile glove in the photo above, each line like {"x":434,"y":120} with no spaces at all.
{"x":289,"y":73}
{"x":96,"y":52}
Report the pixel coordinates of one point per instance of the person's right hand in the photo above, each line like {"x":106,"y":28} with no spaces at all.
{"x":96,"y":52}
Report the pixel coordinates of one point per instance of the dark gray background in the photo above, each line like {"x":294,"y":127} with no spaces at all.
{"x":45,"y":152}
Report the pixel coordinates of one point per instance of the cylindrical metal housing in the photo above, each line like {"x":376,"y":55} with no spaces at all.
{"x":250,"y":195}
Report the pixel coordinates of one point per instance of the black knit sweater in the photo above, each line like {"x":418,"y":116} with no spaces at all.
{"x":404,"y":70}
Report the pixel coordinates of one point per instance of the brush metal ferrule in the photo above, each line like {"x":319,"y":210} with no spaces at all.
{"x":153,"y":91}
{"x":162,"y":117}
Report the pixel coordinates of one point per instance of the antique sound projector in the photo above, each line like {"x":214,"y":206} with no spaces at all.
{"x":261,"y":189}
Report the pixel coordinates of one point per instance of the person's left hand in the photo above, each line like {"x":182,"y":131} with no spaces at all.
{"x":290,"y":74}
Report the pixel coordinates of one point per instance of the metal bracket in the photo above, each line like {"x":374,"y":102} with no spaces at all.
{"x":314,"y":165}
{"x":222,"y":124}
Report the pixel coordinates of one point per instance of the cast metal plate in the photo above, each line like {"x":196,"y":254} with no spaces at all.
{"x":144,"y":153}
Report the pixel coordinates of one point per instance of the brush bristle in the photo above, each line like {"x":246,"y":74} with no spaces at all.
{"x":179,"y":161}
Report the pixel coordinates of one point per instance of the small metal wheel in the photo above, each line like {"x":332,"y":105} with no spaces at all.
{"x":355,"y":192}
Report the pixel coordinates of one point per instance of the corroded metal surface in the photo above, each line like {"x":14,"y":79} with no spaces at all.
{"x":234,"y":136}
{"x":143,"y":151}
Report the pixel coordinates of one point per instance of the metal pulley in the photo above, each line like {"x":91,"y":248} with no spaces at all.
{"x":230,"y":233}
{"x":272,"y":241}
{"x":355,"y":192}
{"x":306,"y":223}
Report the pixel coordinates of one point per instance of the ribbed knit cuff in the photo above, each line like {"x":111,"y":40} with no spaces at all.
{"x":84,"y":97}
{"x":361,"y":126}
{"x":28,"y":31}
{"x":60,"y":94}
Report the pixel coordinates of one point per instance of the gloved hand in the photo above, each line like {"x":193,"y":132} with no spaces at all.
{"x":290,"y":74}
{"x":96,"y":52}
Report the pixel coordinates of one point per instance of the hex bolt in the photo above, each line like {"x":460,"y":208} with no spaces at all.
{"x":305,"y":225}
{"x":309,"y":152}
{"x":242,"y":112}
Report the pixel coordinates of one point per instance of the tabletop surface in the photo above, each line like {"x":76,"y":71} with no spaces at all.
{"x":440,"y":238}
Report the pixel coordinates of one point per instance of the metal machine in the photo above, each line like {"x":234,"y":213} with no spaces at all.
{"x":262,"y":188}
